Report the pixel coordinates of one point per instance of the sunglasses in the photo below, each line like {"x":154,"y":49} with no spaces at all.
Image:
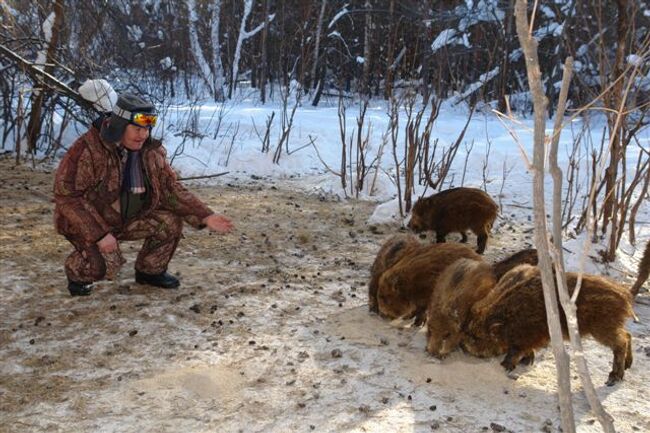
{"x":144,"y":119}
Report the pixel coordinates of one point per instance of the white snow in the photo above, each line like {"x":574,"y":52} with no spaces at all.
{"x":551,"y":28}
{"x":134,"y":33}
{"x":473,"y":87}
{"x":635,"y":60}
{"x":483,"y":11}
{"x":166,"y":63}
{"x":339,"y":14}
{"x":445,"y":37}
{"x":547,"y":11}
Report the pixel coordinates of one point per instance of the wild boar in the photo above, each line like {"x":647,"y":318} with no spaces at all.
{"x":462,"y":284}
{"x":456,"y":210}
{"x":405,"y":288}
{"x":511,"y":318}
{"x":389,"y":253}
{"x":459,"y":286}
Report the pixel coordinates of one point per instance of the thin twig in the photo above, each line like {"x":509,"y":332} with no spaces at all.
{"x":207,"y":176}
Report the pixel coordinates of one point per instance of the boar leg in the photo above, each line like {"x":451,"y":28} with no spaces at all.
{"x":628,"y":355}
{"x":416,"y":314}
{"x":420,"y":316}
{"x":372,"y":295}
{"x":620,"y":347}
{"x":482,"y":242}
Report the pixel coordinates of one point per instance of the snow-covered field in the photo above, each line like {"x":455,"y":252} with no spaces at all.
{"x":270,"y":329}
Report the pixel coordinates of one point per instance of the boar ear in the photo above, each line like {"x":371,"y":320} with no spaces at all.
{"x":495,"y":328}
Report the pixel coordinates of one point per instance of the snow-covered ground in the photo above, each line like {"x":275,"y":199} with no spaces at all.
{"x":270,"y":330}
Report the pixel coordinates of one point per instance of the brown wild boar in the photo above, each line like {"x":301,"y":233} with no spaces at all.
{"x":462,"y":284}
{"x":389,"y":253}
{"x":511,"y":318}
{"x":405,"y":288}
{"x":455,"y":210}
{"x":644,"y":270}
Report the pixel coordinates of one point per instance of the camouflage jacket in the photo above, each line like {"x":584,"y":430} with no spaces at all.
{"x":88,"y":183}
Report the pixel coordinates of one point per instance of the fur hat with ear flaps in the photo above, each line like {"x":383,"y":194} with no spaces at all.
{"x":127,"y":103}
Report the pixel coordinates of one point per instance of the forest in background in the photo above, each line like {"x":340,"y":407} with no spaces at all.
{"x":462,"y":48}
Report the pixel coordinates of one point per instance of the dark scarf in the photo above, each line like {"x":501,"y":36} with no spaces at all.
{"x":133,"y":174}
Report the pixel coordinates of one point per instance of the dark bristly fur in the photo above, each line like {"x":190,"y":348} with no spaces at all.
{"x":644,"y":271}
{"x":405,"y":288}
{"x":456,"y":210}
{"x":389,"y":253}
{"x":461,"y":285}
{"x":523,"y":257}
{"x":511,"y":318}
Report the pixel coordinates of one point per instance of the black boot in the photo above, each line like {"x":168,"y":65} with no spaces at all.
{"x":79,"y":289}
{"x":164,"y":280}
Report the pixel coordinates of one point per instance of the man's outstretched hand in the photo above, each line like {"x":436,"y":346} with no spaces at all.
{"x":218,"y":223}
{"x":107,"y":244}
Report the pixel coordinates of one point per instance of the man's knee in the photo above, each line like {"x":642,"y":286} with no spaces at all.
{"x":171,"y":223}
{"x":86,"y":266}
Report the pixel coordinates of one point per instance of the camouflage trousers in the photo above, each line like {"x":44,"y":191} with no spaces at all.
{"x":161,"y":231}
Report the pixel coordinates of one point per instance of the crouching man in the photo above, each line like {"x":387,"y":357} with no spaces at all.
{"x":114,"y":184}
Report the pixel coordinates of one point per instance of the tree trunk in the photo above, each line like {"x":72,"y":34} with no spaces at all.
{"x":197,"y":52}
{"x":243,"y":35}
{"x":529,"y":46}
{"x":264,"y":68}
{"x":319,"y":30}
{"x":365,"y":78}
{"x":248,"y":6}
{"x":47,"y":60}
{"x":568,"y":305}
{"x":613,"y":101}
{"x":319,"y":88}
{"x":392,"y":40}
{"x":217,"y":66}
{"x":505,"y":64}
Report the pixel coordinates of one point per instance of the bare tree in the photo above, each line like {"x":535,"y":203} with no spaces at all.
{"x":342,"y":132}
{"x":614,"y":99}
{"x":217,"y":66}
{"x":569,"y":303}
{"x":266,"y":140}
{"x":529,"y":46}
{"x":394,"y":133}
{"x":197,"y":51}
{"x":286,"y":120}
{"x":243,"y":35}
{"x":367,"y":52}
{"x":264,"y":71}
{"x":361,"y":149}
{"x":319,"y":30}
{"x":45,"y":61}
{"x":392,"y":36}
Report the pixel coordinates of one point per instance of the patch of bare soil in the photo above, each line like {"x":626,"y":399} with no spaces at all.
{"x":268,"y":332}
